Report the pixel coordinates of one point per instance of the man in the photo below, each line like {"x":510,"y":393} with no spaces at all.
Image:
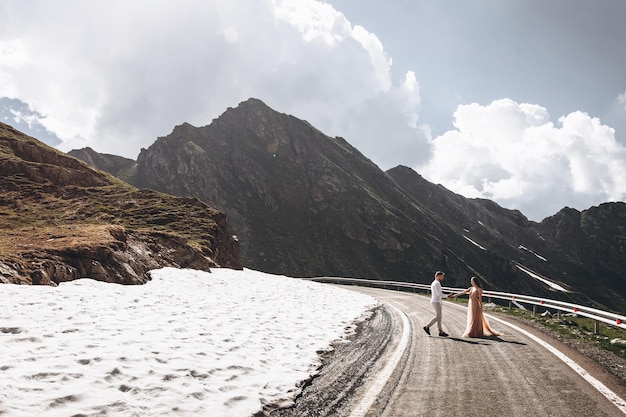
{"x":436,"y":300}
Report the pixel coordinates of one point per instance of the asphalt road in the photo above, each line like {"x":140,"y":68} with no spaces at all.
{"x":512,"y":375}
{"x":421,"y":375}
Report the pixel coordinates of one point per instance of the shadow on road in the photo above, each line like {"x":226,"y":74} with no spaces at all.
{"x":483,"y":340}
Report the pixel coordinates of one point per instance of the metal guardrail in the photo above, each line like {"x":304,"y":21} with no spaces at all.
{"x":599,"y":316}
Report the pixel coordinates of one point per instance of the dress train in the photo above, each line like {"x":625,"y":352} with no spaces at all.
{"x":477,"y":324}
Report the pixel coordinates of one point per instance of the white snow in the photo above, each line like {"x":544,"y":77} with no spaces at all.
{"x":551,"y":284}
{"x":536,"y":254}
{"x":188,"y":343}
{"x":474,"y":243}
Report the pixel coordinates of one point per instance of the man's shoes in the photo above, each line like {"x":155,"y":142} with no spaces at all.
{"x":427,"y":330}
{"x":443,"y":334}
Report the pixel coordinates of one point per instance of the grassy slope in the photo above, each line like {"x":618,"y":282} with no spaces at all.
{"x":51,"y":202}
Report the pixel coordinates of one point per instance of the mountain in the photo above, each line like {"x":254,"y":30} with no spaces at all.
{"x":115,"y":165}
{"x":582,"y":251}
{"x":304,"y":204}
{"x":61,"y":220}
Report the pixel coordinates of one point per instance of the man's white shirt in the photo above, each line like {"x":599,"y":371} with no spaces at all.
{"x":436,"y":292}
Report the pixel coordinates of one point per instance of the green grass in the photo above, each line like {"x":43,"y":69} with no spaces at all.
{"x":572,"y":328}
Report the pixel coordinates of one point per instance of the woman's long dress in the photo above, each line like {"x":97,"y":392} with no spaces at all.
{"x":477,"y":324}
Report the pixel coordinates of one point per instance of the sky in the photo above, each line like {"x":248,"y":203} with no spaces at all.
{"x":522,"y":102}
{"x":186,"y":343}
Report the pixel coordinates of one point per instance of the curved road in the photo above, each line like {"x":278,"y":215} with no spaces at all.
{"x":513,"y":375}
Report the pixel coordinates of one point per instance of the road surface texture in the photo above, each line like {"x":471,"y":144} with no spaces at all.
{"x":392,"y":368}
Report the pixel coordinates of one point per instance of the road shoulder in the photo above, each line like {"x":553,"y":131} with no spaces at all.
{"x":345,"y":370}
{"x":602,"y":365}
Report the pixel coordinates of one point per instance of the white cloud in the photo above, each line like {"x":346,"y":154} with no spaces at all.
{"x":621,"y":100}
{"x":314,"y":20}
{"x":13,"y":54}
{"x":116,"y":75}
{"x":19,"y":115}
{"x":513,"y":154}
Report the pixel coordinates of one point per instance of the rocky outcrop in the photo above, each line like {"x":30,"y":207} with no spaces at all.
{"x":104,"y":253}
{"x":61,"y":220}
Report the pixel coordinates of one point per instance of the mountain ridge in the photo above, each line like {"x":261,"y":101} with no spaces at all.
{"x":305,"y":204}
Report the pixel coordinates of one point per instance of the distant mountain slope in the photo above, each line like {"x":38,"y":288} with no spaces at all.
{"x":113,"y":164}
{"x":593,"y":248}
{"x":61,"y":220}
{"x":305,"y":204}
{"x":584,"y":251}
{"x":122,"y":168}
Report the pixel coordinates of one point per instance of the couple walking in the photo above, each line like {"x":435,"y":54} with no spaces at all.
{"x":477,"y":324}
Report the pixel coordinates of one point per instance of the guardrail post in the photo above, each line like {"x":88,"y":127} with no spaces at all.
{"x":596,"y":327}
{"x":558,"y":314}
{"x":534,"y":309}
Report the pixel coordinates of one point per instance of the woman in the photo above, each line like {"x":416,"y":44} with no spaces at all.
{"x":477,"y":324}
